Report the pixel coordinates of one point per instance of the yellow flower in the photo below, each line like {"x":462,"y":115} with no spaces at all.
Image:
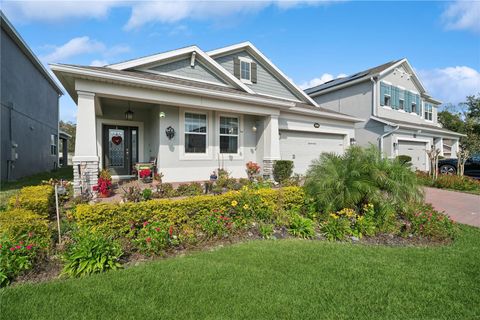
{"x":234,"y":203}
{"x":333,"y":215}
{"x":245,"y":206}
{"x":347,"y":212}
{"x":245,"y":188}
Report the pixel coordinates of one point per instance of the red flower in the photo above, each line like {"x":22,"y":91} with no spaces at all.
{"x":29,"y":247}
{"x":12,"y":249}
{"x":145,"y":223}
{"x":170,"y":231}
{"x":145,"y":173}
{"x":157,"y":229}
{"x":18,"y":247}
{"x":30,"y":234}
{"x":21,"y":242}
{"x":149,"y":240}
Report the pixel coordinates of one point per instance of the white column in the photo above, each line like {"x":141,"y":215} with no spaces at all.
{"x":271,"y":150}
{"x":455,"y":148}
{"x":439,"y":144}
{"x":85,"y":161}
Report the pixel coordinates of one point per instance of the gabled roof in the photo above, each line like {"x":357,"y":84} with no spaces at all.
{"x":12,"y":32}
{"x":183,"y":52}
{"x":366,"y":74}
{"x":258,"y":55}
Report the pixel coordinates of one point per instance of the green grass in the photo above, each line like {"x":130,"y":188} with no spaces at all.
{"x":8,"y":189}
{"x":286,"y":279}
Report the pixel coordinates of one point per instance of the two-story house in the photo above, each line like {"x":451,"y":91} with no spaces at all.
{"x":194,"y":111}
{"x":29,"y":109}
{"x":400,"y":116}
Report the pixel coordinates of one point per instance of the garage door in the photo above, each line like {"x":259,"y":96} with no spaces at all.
{"x":416,"y":150}
{"x":303,"y":147}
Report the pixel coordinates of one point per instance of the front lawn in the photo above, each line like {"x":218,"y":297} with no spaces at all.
{"x":280,"y":279}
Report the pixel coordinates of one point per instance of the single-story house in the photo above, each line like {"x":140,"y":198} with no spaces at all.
{"x":193,"y":112}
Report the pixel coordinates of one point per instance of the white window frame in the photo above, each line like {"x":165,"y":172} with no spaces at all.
{"x":411,"y":107}
{"x":428,"y":109}
{"x":207,"y":155}
{"x":53,"y":144}
{"x":249,"y":61}
{"x":227,"y":134}
{"x":234,"y":156}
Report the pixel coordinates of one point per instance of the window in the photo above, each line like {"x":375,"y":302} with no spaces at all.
{"x":245,"y":70}
{"x":387,"y":100}
{"x":228,"y":135}
{"x":401,"y":104}
{"x":195,"y":133}
{"x":428,"y":112}
{"x":53,"y":144}
{"x":414,"y":107}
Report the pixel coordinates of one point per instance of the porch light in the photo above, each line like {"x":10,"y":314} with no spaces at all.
{"x":254,"y":128}
{"x":161,"y":114}
{"x":129,"y":113}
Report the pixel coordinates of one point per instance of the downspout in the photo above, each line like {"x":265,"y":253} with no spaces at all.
{"x":374,"y":96}
{"x":385,"y":135}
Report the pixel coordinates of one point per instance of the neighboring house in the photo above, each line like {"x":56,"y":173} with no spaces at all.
{"x":400,"y":116}
{"x":196,"y":111}
{"x":29,"y":109}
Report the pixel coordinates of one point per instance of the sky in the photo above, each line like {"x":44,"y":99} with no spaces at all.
{"x":310,"y":41}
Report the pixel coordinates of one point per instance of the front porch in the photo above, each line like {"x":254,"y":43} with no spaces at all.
{"x":186,"y":142}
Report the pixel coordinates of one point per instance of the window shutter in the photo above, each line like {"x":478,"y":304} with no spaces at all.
{"x":408,"y":101}
{"x":236,"y":67}
{"x":253,"y":76}
{"x":395,"y":97}
{"x":382,"y":93}
{"x":419,"y":104}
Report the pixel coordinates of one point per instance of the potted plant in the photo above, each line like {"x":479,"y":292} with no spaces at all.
{"x":104,"y":184}
{"x":253,"y":169}
{"x":145,"y":175}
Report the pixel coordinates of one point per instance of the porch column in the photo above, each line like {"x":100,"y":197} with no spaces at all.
{"x":439,"y":145}
{"x":271,"y":150}
{"x":455,"y":148}
{"x":85,"y":161}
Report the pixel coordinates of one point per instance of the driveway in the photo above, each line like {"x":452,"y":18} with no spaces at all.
{"x":461,"y":207}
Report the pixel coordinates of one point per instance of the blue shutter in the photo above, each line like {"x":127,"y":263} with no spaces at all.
{"x":408,"y":101}
{"x":419,"y":105}
{"x":382,"y":93}
{"x":396,"y":96}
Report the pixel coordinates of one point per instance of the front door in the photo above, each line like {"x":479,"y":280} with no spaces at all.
{"x":120,"y":149}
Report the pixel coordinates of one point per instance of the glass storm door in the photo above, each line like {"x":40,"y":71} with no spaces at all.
{"x":120,"y":149}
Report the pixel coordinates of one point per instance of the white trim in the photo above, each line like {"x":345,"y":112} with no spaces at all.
{"x":323,"y":114}
{"x":112,"y":122}
{"x":266,"y":62}
{"x":174,"y":53}
{"x":409,"y":69}
{"x":249,"y":61}
{"x":183,"y":77}
{"x":234,"y":156}
{"x":208,"y":155}
{"x":167,"y":86}
{"x":417,"y":127}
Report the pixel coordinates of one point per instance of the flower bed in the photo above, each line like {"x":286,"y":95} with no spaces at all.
{"x":452,"y":182}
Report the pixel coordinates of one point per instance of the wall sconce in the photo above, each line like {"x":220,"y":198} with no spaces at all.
{"x":395,"y":145}
{"x":353,"y":141}
{"x":170,"y":133}
{"x":254,"y":128}
{"x":129,"y":113}
{"x":161,"y":115}
{"x":316,"y":125}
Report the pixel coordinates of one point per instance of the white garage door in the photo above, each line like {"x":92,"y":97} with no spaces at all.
{"x":416,"y":150}
{"x":303,"y":147}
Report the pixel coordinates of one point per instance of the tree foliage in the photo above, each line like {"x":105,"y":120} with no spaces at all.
{"x":70,"y":128}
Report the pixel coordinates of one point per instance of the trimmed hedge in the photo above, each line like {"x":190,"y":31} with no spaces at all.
{"x":17,"y":223}
{"x":39,"y":199}
{"x":116,"y":219}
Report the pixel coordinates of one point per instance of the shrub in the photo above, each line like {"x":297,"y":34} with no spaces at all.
{"x":15,"y":258}
{"x":217,"y":223}
{"x":39,"y":199}
{"x":147,"y":194}
{"x":445,"y":181}
{"x":188,"y":190}
{"x":404,"y":159}
{"x":358,"y":177}
{"x":266,"y":230}
{"x":132,"y":194}
{"x":336,"y":227}
{"x":18,"y":223}
{"x":282,"y":170}
{"x":165,"y":190}
{"x":116,"y":219}
{"x":91,"y":253}
{"x":253,"y":169}
{"x":427,"y":222}
{"x":154,"y":237}
{"x":302,"y":227}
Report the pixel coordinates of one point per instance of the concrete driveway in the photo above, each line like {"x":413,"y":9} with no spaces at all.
{"x":461,"y":207}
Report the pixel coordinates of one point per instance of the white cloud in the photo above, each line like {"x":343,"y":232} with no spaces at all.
{"x":318,"y":81}
{"x":462,"y":15}
{"x":98,"y":63}
{"x":80,"y":46}
{"x":451,"y":84}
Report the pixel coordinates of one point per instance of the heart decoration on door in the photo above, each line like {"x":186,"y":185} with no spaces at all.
{"x":117,"y":140}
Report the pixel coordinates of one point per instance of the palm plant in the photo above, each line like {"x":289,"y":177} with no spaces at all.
{"x":358,"y":177}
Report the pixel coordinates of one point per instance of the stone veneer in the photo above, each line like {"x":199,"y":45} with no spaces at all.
{"x":268,"y":168}
{"x":85,"y":176}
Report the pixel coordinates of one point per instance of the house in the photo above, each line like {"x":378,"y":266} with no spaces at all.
{"x":29,"y":109}
{"x":193,"y":112}
{"x":400,"y":116}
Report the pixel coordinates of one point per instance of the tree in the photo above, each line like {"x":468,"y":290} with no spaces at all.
{"x":69,"y":128}
{"x":464,"y":118}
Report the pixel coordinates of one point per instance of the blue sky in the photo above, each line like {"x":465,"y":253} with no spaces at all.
{"x":311,"y":41}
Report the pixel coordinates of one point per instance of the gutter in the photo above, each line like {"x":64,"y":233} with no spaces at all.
{"x":324,"y":114}
{"x":385,"y":135}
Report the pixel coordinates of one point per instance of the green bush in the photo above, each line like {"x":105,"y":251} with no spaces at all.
{"x":282,"y":170}
{"x":359,"y":177}
{"x":117,"y":219}
{"x":147,"y":194}
{"x":165,"y":190}
{"x":336,"y":227}
{"x":404,"y":159}
{"x":155,"y":237}
{"x":39,"y":199}
{"x":91,"y":253}
{"x":189,"y":190}
{"x":18,"y":223}
{"x":452,"y":182}
{"x":301,"y":227}
{"x":266,"y":230}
